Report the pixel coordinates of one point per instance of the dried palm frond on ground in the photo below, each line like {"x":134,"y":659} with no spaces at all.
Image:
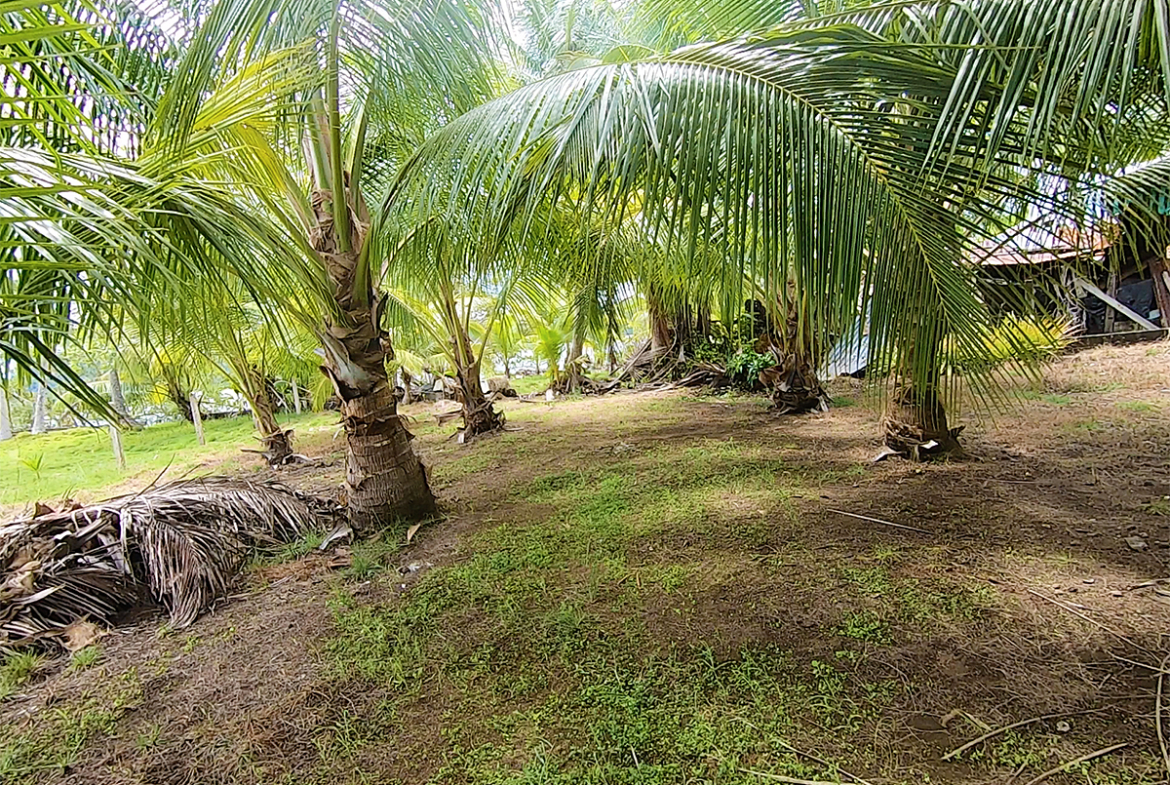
{"x":179,"y":545}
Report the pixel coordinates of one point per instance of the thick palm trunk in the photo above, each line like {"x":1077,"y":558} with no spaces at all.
{"x":661,"y":332}
{"x":916,"y":424}
{"x":385,"y":481}
{"x":795,"y":386}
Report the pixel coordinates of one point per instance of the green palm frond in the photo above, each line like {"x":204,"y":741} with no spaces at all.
{"x":792,"y":156}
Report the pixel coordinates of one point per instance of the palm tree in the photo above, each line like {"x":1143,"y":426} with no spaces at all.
{"x":859,"y":156}
{"x":383,"y":75}
{"x":333,"y":95}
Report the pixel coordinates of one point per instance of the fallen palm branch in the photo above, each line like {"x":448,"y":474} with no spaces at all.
{"x":179,"y":546}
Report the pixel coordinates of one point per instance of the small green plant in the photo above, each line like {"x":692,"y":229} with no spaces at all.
{"x":190,"y":644}
{"x":16,"y":670}
{"x":370,"y":557}
{"x":745,"y":365}
{"x":86,"y":658}
{"x":1158,"y":506}
{"x":149,"y":739}
{"x":298,"y":548}
{"x":865,"y":627}
{"x":34,"y":464}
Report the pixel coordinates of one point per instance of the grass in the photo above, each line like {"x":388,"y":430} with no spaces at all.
{"x":526,"y":385}
{"x":84,"y":659}
{"x":31,"y":753}
{"x":16,"y":670}
{"x":80,"y":461}
{"x":676,"y":611}
{"x":537,"y":653}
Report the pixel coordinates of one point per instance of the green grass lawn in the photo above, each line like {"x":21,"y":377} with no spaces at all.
{"x":79,"y":463}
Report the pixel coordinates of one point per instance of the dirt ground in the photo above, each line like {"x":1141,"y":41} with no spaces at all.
{"x":734,"y":574}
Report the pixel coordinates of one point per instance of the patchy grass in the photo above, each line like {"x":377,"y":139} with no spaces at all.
{"x":649,"y":590}
{"x":16,"y":670}
{"x":32,"y":752}
{"x":84,"y":659}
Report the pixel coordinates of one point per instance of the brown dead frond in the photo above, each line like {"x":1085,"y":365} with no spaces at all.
{"x":180,"y":545}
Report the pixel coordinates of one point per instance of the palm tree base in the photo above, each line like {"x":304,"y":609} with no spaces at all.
{"x":278,"y":447}
{"x":795,"y":387}
{"x":481,"y":419}
{"x":385,"y":481}
{"x":916,"y":427}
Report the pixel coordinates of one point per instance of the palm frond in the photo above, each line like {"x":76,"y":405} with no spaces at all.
{"x":180,"y":545}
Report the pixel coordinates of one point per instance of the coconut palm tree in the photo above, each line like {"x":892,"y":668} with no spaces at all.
{"x":859,"y":155}
{"x":384,"y":74}
{"x":356,"y":83}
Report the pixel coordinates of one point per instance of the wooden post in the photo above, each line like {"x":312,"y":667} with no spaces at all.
{"x":1160,"y":272}
{"x":119,"y":452}
{"x":1110,"y":314}
{"x":296,"y":396}
{"x":1113,"y":303}
{"x":197,"y":417}
{"x":5,"y":416}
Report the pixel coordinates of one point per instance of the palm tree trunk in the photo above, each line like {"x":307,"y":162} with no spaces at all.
{"x":573,"y":366}
{"x":915,"y":423}
{"x":296,"y":394}
{"x":5,"y":416}
{"x":795,"y":386}
{"x":661,"y":333}
{"x":479,"y":416}
{"x":384,"y":479}
{"x":277,"y":441}
{"x":39,"y":420}
{"x":117,"y":399}
{"x":407,"y":383}
{"x":179,"y":396}
{"x":196,"y":417}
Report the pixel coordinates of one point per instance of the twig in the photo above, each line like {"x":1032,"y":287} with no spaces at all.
{"x":883,"y":523}
{"x":1082,"y":759}
{"x":790,"y":780}
{"x":1014,"y":725}
{"x":1153,"y":668}
{"x":1158,"y":715}
{"x":821,"y":761}
{"x":1077,"y":613}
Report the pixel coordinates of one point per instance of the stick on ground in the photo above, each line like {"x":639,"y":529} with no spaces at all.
{"x":821,"y":761}
{"x":1158,"y":715}
{"x":879,"y":520}
{"x":1090,"y":620}
{"x":1082,"y":759}
{"x":992,"y":734}
{"x":790,"y":780}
